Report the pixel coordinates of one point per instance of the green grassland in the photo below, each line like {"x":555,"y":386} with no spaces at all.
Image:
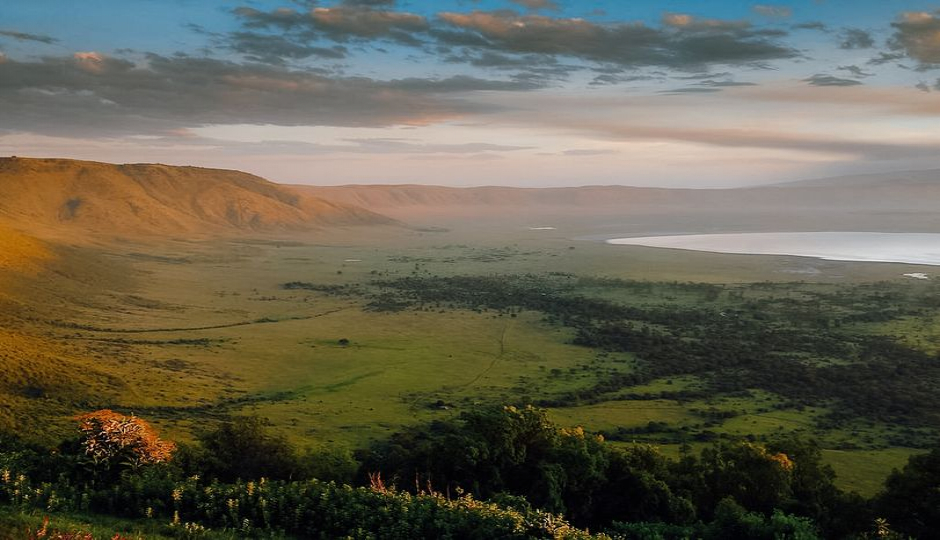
{"x":198,"y":331}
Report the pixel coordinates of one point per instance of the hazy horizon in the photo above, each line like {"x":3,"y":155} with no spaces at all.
{"x":522,"y":93}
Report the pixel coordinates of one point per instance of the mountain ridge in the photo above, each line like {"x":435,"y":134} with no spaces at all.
{"x":64,"y":197}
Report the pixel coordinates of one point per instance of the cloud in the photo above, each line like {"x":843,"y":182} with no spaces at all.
{"x":691,"y":90}
{"x":829,"y":80}
{"x":725,"y":84}
{"x":376,"y":145}
{"x":541,"y":48}
{"x":812,"y":25}
{"x":886,"y":58}
{"x":341,"y":23}
{"x":369,"y":3}
{"x":855,"y":71}
{"x":775,"y":12}
{"x":537,"y":4}
{"x":683,"y":41}
{"x":90,"y":94}
{"x":459,"y":83}
{"x":348,"y":21}
{"x":706,"y":86}
{"x":24,"y":36}
{"x":766,"y":139}
{"x":749,"y":117}
{"x":589,"y":152}
{"x":618,"y":78}
{"x":855,"y":38}
{"x":393,"y":145}
{"x":283,"y":18}
{"x":275,"y":49}
{"x":691,"y":23}
{"x":918,"y":34}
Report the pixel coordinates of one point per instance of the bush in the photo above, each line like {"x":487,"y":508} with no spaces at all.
{"x":244,"y":448}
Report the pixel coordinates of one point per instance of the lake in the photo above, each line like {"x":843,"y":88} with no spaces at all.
{"x":911,"y":248}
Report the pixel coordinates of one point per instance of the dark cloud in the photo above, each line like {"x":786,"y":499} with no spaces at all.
{"x":370,"y":3}
{"x":918,"y":35}
{"x":776,"y":12}
{"x":829,"y":80}
{"x":683,"y":41}
{"x":886,"y":58}
{"x":491,"y":59}
{"x":506,"y":39}
{"x":706,"y":75}
{"x":855,"y":71}
{"x":725,"y":84}
{"x":24,"y":36}
{"x":341,"y":23}
{"x":285,"y":34}
{"x":708,"y":85}
{"x":812,"y":25}
{"x":458,"y":83}
{"x":855,"y":38}
{"x":274,"y":49}
{"x":537,"y":4}
{"x":606,"y":79}
{"x":283,"y":18}
{"x":93,"y":94}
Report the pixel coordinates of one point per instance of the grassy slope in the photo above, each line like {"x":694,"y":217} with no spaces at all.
{"x":68,"y":200}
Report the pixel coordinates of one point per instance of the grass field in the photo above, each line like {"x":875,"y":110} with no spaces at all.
{"x":191,"y":332}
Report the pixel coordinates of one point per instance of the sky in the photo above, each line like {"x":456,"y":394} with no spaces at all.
{"x":529,"y":93}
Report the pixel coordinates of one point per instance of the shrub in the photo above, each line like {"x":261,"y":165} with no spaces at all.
{"x":111,"y":438}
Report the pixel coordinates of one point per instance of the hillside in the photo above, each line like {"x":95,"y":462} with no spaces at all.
{"x":927,"y":178}
{"x":897,"y":201}
{"x":21,"y":253}
{"x":67,"y":198}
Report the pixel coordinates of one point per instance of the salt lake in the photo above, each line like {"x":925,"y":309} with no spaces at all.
{"x":911,"y":248}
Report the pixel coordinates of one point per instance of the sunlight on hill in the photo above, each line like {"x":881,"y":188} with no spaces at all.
{"x":74,"y":201}
{"x":21,"y":253}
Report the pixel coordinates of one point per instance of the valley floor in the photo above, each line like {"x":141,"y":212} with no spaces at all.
{"x":187,"y":333}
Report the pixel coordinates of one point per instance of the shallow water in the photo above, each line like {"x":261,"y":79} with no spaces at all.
{"x":912,"y":248}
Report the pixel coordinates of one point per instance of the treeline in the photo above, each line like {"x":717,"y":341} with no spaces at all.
{"x":244,"y":481}
{"x":493,"y":472}
{"x":495,"y":452}
{"x":731,"y":489}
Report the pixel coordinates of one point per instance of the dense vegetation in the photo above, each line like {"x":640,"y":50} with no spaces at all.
{"x":807,"y":344}
{"x":431,"y":482}
{"x":494,"y":471}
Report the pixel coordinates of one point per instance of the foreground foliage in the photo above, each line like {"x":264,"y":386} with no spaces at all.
{"x":494,"y":472}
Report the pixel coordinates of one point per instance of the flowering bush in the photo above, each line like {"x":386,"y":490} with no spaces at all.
{"x":110,"y":437}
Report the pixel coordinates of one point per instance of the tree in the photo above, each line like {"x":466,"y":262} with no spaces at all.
{"x":911,"y":497}
{"x":755,"y":478}
{"x":245,"y":448}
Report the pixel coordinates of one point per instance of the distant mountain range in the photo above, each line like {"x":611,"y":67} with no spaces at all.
{"x":908,"y":201}
{"x":73,"y":200}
